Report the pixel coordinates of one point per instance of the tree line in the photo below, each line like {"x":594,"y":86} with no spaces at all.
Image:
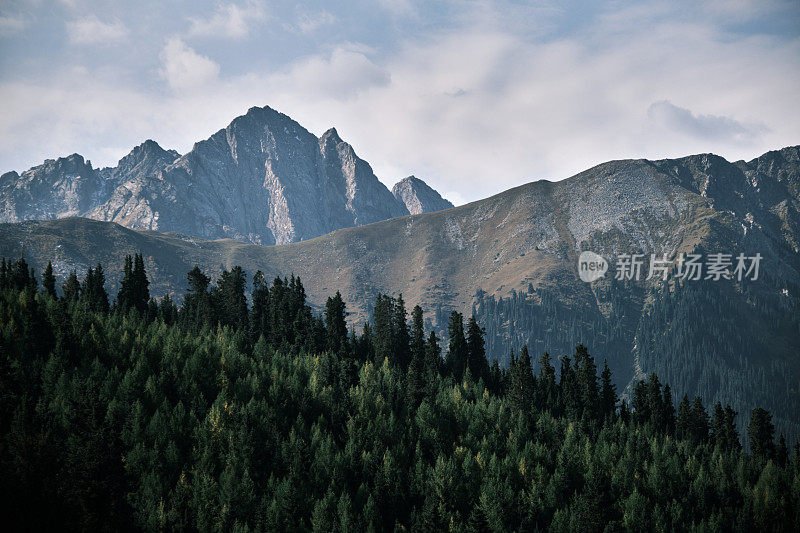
{"x":229,"y":413}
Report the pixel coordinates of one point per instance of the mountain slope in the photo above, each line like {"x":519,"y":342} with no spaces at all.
{"x":512,"y":259}
{"x":263,"y":179}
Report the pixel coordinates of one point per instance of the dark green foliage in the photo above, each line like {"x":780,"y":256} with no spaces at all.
{"x":71,"y":288}
{"x":335,"y":324}
{"x":761,"y":433}
{"x":278,"y":420}
{"x":134,"y":292}
{"x":608,"y":393}
{"x":49,"y":280}
{"x":93,"y":290}
{"x":457,"y":352}
{"x":476,"y":350}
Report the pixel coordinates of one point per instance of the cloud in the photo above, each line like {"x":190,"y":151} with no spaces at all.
{"x":183,"y":68}
{"x":91,"y":30}
{"x":343,"y":74}
{"x":719,"y":128}
{"x":229,"y":20}
{"x":9,"y":25}
{"x":473,"y":106}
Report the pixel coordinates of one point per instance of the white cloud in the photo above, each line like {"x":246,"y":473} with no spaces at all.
{"x":92,"y":30}
{"x":229,"y":20}
{"x":472,"y":109}
{"x":343,"y":74}
{"x":9,"y":25}
{"x":183,"y":68}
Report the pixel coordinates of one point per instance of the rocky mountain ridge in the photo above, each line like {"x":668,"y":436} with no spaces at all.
{"x":263,"y":179}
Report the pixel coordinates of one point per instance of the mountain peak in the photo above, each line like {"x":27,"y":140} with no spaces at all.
{"x":418,"y":196}
{"x":331,"y":135}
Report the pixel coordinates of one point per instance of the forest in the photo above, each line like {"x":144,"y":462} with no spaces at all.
{"x":243,"y":409}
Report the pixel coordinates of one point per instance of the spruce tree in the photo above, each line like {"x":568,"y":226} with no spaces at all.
{"x":417,"y":334}
{"x":520,"y":390}
{"x":586,"y":374}
{"x":141,"y":290}
{"x":49,"y":280}
{"x":456,"y":361}
{"x":761,"y":432}
{"x":683,"y":422}
{"x":71,"y":288}
{"x":546,"y":384}
{"x":335,"y":324}
{"x":402,"y":337}
{"x":476,"y":350}
{"x":125,"y":296}
{"x":608,"y":392}
{"x":699,"y":423}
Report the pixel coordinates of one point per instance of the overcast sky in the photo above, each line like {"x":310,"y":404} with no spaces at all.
{"x":473,"y":97}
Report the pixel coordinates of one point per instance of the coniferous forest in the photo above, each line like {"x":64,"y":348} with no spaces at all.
{"x":120,"y":412}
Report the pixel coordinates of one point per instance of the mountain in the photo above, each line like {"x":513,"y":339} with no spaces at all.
{"x":418,"y":196}
{"x":512,"y":260}
{"x":263,"y":179}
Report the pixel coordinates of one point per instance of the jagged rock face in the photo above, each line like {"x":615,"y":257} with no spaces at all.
{"x":58,"y":188}
{"x":418,"y":197}
{"x":263,"y":179}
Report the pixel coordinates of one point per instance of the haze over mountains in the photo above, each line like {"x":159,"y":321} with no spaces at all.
{"x":263,"y":179}
{"x":510,"y":258}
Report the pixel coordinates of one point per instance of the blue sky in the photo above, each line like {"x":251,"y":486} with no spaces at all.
{"x":473,"y":97}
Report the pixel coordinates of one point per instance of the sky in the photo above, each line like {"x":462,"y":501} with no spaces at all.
{"x":474,"y":97}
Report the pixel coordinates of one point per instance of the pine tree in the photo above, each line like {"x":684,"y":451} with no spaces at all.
{"x":402,"y":337}
{"x":761,"y":432}
{"x":668,"y":411}
{"x":699,"y":423}
{"x":655,"y":403}
{"x":456,"y":361}
{"x":125,"y":296}
{"x":683,"y":422}
{"x":259,"y":312}
{"x":141,"y":291}
{"x":476,"y":350}
{"x":608,"y":392}
{"x":546,"y":384}
{"x":49,"y":280}
{"x":229,"y":297}
{"x":197,"y":309}
{"x":382,"y":322}
{"x":93,"y":290}
{"x":586,"y":374}
{"x":335,"y":324}
{"x":433,"y":358}
{"x":71,"y":288}
{"x":520,"y":392}
{"x":417,"y":334}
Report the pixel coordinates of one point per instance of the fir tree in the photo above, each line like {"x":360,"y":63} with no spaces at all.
{"x":456,"y":361}
{"x":49,"y":280}
{"x":335,"y":324}
{"x":71,"y":288}
{"x":476,"y":350}
{"x":761,"y":433}
{"x":608,"y":392}
{"x":520,"y":391}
